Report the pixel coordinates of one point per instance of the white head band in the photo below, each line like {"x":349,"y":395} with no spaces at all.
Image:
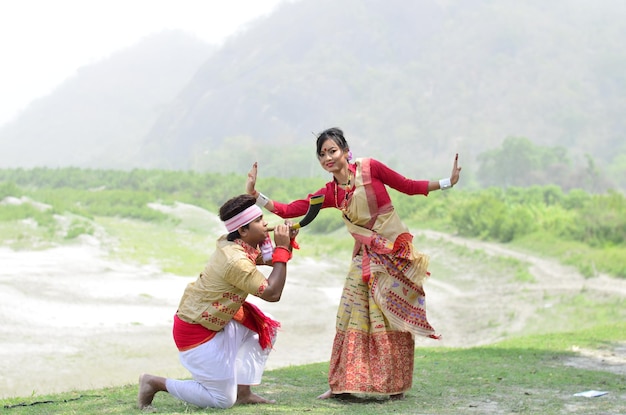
{"x":243,"y":218}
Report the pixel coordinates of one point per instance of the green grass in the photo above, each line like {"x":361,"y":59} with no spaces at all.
{"x":588,"y":260}
{"x":26,"y":235}
{"x":184,"y":250}
{"x":526,"y":375}
{"x":174,"y":249}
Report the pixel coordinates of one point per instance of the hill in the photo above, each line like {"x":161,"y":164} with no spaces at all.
{"x":98,"y":116}
{"x":410,"y":82}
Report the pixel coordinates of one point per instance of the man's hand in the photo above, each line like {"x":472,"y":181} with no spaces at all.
{"x":281,"y":236}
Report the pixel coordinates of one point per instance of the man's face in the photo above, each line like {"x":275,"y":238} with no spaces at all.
{"x":256,"y":232}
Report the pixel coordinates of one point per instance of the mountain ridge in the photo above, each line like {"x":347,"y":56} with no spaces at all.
{"x":411,"y":83}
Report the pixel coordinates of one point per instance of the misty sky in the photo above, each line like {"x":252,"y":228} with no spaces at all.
{"x":43,"y":42}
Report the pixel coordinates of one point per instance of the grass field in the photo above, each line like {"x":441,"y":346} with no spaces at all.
{"x":526,"y":375}
{"x":564,"y":334}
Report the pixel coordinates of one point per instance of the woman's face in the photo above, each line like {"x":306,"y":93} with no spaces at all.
{"x":332,"y":157}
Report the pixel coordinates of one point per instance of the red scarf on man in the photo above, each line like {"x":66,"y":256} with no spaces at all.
{"x":190,"y":335}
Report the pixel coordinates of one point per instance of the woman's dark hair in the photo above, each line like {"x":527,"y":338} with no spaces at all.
{"x":235,"y":206}
{"x":334,"y":134}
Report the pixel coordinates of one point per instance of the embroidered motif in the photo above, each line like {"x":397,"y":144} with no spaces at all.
{"x":234,"y":297}
{"x":251,"y":252}
{"x":371,"y":363}
{"x":213,"y":319}
{"x":262,"y":288}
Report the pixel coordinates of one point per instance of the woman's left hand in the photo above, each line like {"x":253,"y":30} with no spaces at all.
{"x":456,"y":170}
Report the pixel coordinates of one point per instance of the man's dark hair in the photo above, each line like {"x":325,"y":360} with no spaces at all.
{"x":235,"y":206}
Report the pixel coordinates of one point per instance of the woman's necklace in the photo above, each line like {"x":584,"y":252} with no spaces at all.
{"x":346,"y":187}
{"x":347,"y":184}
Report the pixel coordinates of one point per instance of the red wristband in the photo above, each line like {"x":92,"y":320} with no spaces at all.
{"x":281,"y":254}
{"x":294,"y":244}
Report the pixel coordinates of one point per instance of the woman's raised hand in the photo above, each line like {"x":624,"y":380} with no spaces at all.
{"x":251,"y":182}
{"x":456,"y":170}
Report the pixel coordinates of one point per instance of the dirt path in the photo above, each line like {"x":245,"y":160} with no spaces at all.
{"x":481,"y":308}
{"x":477,"y":307}
{"x":72,"y":319}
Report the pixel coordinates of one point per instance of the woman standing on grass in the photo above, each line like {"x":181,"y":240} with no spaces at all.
{"x":382,"y":305}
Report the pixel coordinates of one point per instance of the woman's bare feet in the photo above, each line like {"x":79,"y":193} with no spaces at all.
{"x":326,"y":395}
{"x":246,"y":397}
{"x":149,"y":385}
{"x":348,"y":396}
{"x":329,"y":394}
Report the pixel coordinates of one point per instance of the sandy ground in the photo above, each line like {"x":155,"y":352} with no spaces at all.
{"x":71,"y":319}
{"x":74,"y":320}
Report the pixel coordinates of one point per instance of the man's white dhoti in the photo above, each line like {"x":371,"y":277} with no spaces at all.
{"x":233,"y":357}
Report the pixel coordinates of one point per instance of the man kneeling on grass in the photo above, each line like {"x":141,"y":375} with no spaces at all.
{"x":224,"y":341}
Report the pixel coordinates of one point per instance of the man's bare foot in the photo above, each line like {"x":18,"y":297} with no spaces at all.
{"x":149,"y":385}
{"x":252,"y":399}
{"x":246,"y":397}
